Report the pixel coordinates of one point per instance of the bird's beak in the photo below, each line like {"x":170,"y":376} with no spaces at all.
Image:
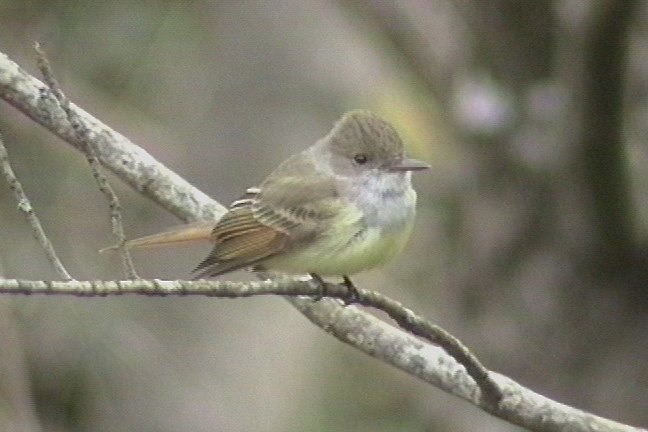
{"x":406,"y":164}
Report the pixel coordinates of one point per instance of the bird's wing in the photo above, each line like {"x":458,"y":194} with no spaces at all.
{"x":286,"y":211}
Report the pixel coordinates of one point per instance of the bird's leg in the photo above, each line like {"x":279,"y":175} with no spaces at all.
{"x":352,"y":291}
{"x":321,"y":292}
{"x":261,"y":272}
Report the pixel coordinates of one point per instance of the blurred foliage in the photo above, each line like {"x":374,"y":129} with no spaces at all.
{"x":530,"y":242}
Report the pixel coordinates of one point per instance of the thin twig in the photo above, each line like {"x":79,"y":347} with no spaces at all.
{"x":405,"y":317}
{"x":409,"y":321}
{"x":417,"y":325}
{"x":83,"y":135}
{"x":24,"y":205}
{"x":161,"y":288}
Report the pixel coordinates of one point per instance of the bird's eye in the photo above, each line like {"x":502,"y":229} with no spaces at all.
{"x":360,"y":158}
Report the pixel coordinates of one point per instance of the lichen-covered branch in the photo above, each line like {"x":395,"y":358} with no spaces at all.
{"x":430,"y":363}
{"x":131,"y":163}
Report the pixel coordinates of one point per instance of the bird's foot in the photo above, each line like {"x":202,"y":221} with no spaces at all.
{"x":321,"y":286}
{"x":353,"y":296}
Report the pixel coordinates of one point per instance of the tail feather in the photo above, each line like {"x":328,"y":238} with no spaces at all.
{"x":181,"y":234}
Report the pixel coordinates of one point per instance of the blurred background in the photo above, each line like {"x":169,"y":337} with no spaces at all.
{"x":530,"y":242}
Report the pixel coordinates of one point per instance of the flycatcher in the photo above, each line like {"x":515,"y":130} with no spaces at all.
{"x":344,"y":205}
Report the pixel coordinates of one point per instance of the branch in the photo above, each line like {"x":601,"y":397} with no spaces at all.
{"x":285,"y":286}
{"x":363,"y":331}
{"x":117,"y":153}
{"x":518,"y":405}
{"x":24,"y":205}
{"x":82,"y":134}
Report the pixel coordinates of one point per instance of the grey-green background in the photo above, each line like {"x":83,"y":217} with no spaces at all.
{"x":530,"y":243}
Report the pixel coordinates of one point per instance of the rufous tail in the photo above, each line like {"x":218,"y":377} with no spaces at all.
{"x":195,"y":231}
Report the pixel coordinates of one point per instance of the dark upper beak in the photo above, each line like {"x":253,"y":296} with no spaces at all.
{"x":406,"y":164}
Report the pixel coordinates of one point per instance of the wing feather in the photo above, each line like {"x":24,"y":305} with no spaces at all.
{"x":240,"y":240}
{"x":290,"y":207}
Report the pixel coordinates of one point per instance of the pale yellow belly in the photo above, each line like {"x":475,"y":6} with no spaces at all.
{"x":339,"y":255}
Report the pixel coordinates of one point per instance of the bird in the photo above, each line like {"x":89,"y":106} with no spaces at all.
{"x":341,"y":206}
